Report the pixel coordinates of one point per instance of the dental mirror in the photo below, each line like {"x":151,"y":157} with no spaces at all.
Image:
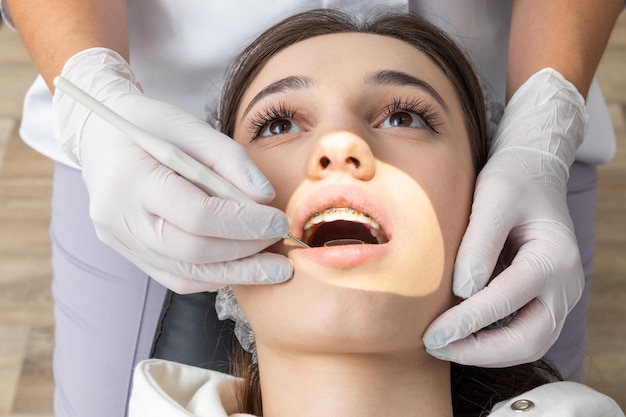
{"x":339,"y":242}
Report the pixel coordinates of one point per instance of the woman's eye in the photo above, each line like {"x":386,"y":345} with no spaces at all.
{"x":402,"y":119}
{"x":279,"y":127}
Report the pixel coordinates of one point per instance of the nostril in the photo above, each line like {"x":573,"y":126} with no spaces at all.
{"x":354,"y":161}
{"x":325,"y":161}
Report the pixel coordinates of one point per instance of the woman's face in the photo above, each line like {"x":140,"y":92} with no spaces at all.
{"x":363,"y":138}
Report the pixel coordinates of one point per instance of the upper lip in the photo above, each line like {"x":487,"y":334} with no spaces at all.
{"x":339,"y":196}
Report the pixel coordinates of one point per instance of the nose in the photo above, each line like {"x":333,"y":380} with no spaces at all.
{"x":341,"y":152}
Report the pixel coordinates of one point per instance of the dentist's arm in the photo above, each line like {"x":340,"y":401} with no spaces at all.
{"x":569,"y":37}
{"x":183,"y":238}
{"x":54,"y":31}
{"x":554,"y":49}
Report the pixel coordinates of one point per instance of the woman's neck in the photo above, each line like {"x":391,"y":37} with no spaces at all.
{"x":304,"y":384}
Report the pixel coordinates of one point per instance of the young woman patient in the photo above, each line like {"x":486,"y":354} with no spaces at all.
{"x":372,"y":135}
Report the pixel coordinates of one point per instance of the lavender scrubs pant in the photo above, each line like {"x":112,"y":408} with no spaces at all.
{"x":107,"y":310}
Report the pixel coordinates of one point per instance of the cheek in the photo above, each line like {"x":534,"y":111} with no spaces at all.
{"x":284,"y":167}
{"x":456,"y":208}
{"x":452,"y":199}
{"x":446,"y":176}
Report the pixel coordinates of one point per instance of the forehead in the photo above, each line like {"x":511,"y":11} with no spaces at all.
{"x":344,"y":58}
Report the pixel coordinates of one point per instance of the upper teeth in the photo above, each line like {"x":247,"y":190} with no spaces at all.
{"x":341,"y":213}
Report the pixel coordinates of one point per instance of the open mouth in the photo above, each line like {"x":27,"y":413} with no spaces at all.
{"x":342,"y":226}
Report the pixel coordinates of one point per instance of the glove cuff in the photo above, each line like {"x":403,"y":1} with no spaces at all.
{"x":546,"y":114}
{"x":101,"y":72}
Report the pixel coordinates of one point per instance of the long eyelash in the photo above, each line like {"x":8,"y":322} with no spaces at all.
{"x":423,"y":109}
{"x":257,"y":123}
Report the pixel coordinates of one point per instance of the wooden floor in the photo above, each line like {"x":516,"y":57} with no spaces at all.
{"x":26,"y":322}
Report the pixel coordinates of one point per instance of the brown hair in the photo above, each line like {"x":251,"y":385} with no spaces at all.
{"x":474,"y":390}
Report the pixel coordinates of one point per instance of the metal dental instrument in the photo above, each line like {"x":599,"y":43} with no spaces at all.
{"x":341,"y":242}
{"x":163,"y":151}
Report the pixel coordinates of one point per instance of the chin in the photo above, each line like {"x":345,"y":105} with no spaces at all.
{"x":325,"y":316}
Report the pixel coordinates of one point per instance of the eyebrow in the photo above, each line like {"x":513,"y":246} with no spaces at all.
{"x":294,"y":82}
{"x":392,"y":77}
{"x":386,"y":77}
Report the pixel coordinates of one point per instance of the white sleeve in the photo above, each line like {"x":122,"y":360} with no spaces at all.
{"x":168,"y":389}
{"x":559,"y":399}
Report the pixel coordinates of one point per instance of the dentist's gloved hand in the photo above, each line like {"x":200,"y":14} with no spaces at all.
{"x":520,"y":199}
{"x":186,"y":240}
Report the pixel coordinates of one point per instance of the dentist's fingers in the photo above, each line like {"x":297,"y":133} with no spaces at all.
{"x":191,"y":210}
{"x":198,"y":139}
{"x":166,"y":240}
{"x":187,"y":278}
{"x":527,"y":288}
{"x":493,"y":216}
{"x":507,"y":293}
{"x":521,"y":340}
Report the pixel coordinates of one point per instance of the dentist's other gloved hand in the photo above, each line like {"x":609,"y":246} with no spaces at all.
{"x":520,"y":199}
{"x":186,"y":240}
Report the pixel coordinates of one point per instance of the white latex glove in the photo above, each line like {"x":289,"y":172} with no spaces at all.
{"x":169,"y":228}
{"x":520,"y":198}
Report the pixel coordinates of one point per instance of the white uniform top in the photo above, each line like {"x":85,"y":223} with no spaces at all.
{"x":180,"y":54}
{"x":168,"y":389}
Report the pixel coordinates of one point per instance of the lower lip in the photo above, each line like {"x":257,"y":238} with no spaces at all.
{"x":345,"y":256}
